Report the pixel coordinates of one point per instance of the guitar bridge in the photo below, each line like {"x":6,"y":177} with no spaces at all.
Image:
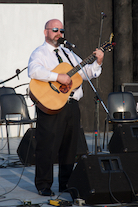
{"x":53,"y":87}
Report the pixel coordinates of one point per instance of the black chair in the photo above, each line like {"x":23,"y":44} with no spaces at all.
{"x":122,"y":109}
{"x":6,"y":90}
{"x":15,"y":105}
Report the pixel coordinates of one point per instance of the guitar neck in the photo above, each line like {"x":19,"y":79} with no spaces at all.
{"x":107,"y":46}
{"x":83,"y":63}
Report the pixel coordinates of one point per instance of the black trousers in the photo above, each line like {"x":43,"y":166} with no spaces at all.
{"x":56,"y":135}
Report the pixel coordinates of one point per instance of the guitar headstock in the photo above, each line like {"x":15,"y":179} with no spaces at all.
{"x":108,"y":46}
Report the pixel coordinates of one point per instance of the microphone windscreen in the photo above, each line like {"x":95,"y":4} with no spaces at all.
{"x":61,"y":40}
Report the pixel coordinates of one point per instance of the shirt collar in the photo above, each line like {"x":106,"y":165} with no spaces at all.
{"x":50,"y":47}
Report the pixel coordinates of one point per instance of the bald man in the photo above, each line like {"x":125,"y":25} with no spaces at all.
{"x":57,"y":134}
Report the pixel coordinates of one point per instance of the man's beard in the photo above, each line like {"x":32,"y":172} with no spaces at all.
{"x":53,"y":41}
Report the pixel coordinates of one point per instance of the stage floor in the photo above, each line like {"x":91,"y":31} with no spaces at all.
{"x":17,"y":181}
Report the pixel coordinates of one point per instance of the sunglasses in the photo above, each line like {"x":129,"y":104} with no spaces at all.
{"x":56,"y":30}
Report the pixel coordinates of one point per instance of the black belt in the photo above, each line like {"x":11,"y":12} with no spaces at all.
{"x":71,"y":101}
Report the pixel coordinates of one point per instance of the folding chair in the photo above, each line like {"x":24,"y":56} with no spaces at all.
{"x":122,"y":109}
{"x":14,"y":104}
{"x":5,"y":90}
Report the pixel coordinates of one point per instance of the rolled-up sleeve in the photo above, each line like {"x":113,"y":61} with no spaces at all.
{"x":37,"y":68}
{"x":92,"y":70}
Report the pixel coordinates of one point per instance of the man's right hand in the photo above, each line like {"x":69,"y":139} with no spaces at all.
{"x":64,"y":79}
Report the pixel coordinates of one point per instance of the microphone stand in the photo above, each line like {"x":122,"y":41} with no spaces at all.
{"x":97,"y":95}
{"x":96,"y":122}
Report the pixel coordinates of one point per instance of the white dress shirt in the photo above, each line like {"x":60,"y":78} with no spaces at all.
{"x":43,"y":60}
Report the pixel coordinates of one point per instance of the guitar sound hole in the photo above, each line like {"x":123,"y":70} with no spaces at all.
{"x":65,"y":88}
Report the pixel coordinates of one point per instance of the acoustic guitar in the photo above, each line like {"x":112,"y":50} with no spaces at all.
{"x":51,"y":97}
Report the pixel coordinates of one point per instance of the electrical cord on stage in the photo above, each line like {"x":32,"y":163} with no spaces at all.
{"x":78,"y":196}
{"x":59,"y":202}
{"x":25,"y":102}
{"x":111,"y":190}
{"x":130,"y":185}
{"x":2,"y":195}
{"x":25,"y":95}
{"x":10,"y":199}
{"x":4,"y":146}
{"x":23,"y":203}
{"x":6,"y":162}
{"x":21,"y":85}
{"x":2,"y":158}
{"x":63,"y":203}
{"x":121,"y":204}
{"x":15,"y":185}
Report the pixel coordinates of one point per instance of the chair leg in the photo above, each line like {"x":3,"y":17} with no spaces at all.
{"x":104,"y":132}
{"x":1,"y":133}
{"x":19,"y":130}
{"x":107,"y":133}
{"x":8,"y":139}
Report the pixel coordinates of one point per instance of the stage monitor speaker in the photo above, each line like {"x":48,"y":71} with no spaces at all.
{"x":105,"y":178}
{"x":27,"y":156}
{"x":124,"y":138}
{"x":26,"y":148}
{"x":82,"y":147}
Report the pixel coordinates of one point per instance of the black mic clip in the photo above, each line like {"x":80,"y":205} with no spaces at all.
{"x":18,"y":72}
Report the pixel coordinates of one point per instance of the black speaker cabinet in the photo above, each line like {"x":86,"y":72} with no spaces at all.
{"x":26,"y":148}
{"x":105,"y":178}
{"x":82,"y":147}
{"x":124,"y":138}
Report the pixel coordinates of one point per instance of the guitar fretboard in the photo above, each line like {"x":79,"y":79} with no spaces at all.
{"x":83,"y":63}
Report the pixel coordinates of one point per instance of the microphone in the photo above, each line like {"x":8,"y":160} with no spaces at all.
{"x":18,"y":72}
{"x":104,"y":15}
{"x":65,"y":42}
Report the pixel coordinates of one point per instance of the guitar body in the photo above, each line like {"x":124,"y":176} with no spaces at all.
{"x":50,"y":97}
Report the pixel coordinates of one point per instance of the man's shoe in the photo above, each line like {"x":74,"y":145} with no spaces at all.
{"x":46,"y":192}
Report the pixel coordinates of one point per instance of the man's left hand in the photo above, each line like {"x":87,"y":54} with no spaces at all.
{"x":100,"y":55}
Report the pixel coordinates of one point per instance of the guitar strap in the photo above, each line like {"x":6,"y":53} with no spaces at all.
{"x":67,"y":57}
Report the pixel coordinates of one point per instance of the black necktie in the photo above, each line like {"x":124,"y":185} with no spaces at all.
{"x":58,"y":56}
